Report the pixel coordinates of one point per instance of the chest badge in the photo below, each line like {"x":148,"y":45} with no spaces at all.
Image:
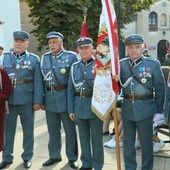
{"x":17,"y":66}
{"x":62,"y":70}
{"x":143,"y":80}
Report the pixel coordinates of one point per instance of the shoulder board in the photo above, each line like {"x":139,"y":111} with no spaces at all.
{"x":6,"y":53}
{"x":47,"y":53}
{"x":151,"y":59}
{"x":71,"y":52}
{"x":34,"y":55}
{"x":124,"y":59}
{"x":75,"y":63}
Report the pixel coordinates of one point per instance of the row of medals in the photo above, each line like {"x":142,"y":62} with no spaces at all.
{"x":62,"y":70}
{"x":144,"y":75}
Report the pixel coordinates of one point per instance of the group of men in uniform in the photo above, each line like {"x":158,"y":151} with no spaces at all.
{"x":43,"y":85}
{"x":62,"y":85}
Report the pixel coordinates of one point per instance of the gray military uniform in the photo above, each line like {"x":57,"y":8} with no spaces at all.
{"x":143,"y":97}
{"x":55,"y":70}
{"x":26,"y":78}
{"x":90,"y":126}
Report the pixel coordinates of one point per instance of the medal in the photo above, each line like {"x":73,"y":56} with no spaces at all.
{"x":143,"y":80}
{"x":62,"y":70}
{"x":17,"y":66}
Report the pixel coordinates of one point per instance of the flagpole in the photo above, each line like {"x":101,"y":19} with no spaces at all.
{"x":85,"y":13}
{"x":117,"y":138}
{"x":115,"y":108}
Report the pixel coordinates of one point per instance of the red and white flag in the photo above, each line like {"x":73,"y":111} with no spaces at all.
{"x":105,"y":85}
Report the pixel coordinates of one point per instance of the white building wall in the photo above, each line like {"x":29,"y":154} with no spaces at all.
{"x":129,"y":29}
{"x":10,"y":14}
{"x":141,"y":26}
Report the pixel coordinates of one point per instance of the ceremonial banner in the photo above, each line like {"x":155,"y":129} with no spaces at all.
{"x":105,"y":84}
{"x":84,"y":30}
{"x":83,"y":33}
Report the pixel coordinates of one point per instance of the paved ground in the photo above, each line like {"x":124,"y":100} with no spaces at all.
{"x":162,"y":159}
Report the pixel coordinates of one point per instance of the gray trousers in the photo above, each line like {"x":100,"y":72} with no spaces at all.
{"x":54,"y":129}
{"x":91,"y":141}
{"x":145,"y":130}
{"x":26,"y":114}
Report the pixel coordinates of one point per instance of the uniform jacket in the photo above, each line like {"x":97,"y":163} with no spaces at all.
{"x":76,"y":104}
{"x":56,"y":101}
{"x":26,"y":68}
{"x":147,"y":71}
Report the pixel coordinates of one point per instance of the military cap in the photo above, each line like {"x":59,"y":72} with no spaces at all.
{"x":106,"y":41}
{"x":54,"y":34}
{"x":23,"y":35}
{"x":134,"y":39}
{"x":84,"y":41}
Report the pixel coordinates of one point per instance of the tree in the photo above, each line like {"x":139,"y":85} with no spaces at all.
{"x":66,"y":16}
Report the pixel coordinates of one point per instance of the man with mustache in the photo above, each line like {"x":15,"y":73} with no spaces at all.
{"x":55,"y":66}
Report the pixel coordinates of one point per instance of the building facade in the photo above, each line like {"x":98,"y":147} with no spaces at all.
{"x":154,"y":25}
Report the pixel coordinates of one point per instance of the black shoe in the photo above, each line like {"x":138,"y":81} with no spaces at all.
{"x":82,"y":168}
{"x":27,"y":164}
{"x":74,"y":164}
{"x":4,"y":164}
{"x":51,"y":161}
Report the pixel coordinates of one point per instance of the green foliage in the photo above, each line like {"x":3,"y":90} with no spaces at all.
{"x":66,"y":16}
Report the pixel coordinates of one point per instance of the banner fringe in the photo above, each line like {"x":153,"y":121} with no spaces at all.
{"x":105,"y":115}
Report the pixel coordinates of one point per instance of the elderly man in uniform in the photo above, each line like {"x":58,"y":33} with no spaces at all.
{"x":80,"y":90}
{"x":55,"y":67}
{"x":143,"y":89}
{"x":24,"y":71}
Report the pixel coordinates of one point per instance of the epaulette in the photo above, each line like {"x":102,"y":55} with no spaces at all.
{"x":151,"y":58}
{"x":47,"y":53}
{"x":71,"y":52}
{"x":124,"y":59}
{"x":6,"y":53}
{"x":77,"y":62}
{"x":34,"y":55}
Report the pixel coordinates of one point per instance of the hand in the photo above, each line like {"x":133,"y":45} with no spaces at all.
{"x":37,"y":107}
{"x":72,"y":116}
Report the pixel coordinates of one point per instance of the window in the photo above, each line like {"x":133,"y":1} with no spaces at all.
{"x":153,"y":23}
{"x":163,"y":20}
